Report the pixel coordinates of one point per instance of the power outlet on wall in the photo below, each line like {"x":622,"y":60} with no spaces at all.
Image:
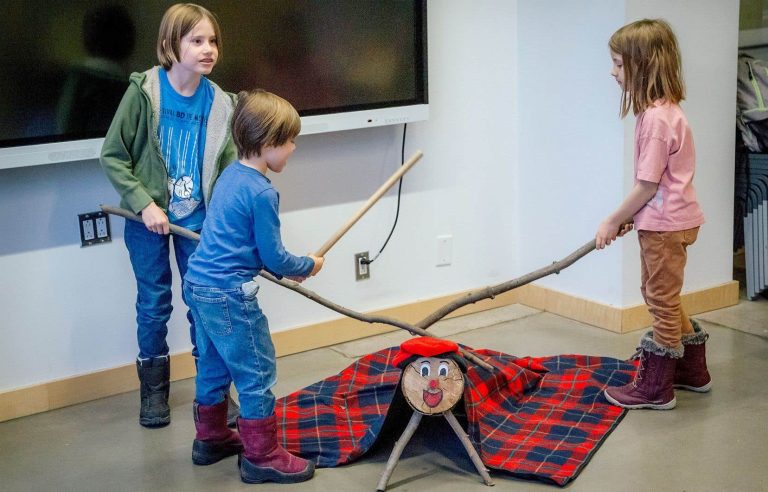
{"x":362,"y":269}
{"x":102,"y":227}
{"x":94,"y":228}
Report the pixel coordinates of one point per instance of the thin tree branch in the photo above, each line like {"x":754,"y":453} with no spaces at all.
{"x":494,"y":290}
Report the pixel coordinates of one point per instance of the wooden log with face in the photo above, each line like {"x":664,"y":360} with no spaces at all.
{"x":432,"y":385}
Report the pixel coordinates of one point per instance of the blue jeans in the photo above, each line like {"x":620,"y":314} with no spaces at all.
{"x":151,"y":262}
{"x":234,"y":345}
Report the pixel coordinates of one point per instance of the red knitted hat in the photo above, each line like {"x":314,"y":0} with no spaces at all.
{"x":425,"y":347}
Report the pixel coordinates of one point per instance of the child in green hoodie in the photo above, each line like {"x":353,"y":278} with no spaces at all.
{"x":168,"y":142}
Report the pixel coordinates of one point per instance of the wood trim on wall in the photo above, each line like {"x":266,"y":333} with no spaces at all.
{"x":622,"y":320}
{"x":79,"y":389}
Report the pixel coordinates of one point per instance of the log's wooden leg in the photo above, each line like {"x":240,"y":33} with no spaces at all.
{"x":464,"y":438}
{"x":398,"y":450}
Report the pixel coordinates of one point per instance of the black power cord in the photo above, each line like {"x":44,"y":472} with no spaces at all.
{"x":397,"y":213}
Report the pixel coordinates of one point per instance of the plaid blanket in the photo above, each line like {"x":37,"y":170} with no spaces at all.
{"x":535,"y":418}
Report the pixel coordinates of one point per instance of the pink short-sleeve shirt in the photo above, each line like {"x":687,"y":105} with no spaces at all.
{"x":664,"y":154}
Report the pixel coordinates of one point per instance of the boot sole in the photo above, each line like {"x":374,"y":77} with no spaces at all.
{"x":250,"y":473}
{"x":697,"y":389}
{"x":204,"y":453}
{"x":154,"y":423}
{"x":662,"y":406}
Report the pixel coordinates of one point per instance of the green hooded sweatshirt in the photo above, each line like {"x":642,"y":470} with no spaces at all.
{"x":131,"y":154}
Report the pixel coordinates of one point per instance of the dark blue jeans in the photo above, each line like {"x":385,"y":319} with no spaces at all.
{"x":234,"y":345}
{"x":151,"y":261}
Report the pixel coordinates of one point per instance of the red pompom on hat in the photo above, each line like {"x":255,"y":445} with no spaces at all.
{"x":424,"y":347}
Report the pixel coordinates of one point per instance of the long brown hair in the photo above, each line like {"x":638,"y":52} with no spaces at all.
{"x":177,"y":21}
{"x":652,"y":66}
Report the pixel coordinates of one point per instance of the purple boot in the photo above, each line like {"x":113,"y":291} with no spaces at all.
{"x":691,"y":372}
{"x":652,"y":386}
{"x":214,"y":441}
{"x":264,"y":460}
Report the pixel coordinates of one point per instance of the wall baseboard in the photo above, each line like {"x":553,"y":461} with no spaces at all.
{"x":622,"y":320}
{"x":100,"y":384}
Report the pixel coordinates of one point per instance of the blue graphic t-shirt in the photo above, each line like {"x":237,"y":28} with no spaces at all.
{"x":183,"y":121}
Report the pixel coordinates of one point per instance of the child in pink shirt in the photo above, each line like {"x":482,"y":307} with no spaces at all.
{"x":662,"y":207}
{"x":664,"y":154}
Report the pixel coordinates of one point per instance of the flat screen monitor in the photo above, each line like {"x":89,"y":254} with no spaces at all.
{"x":342,"y":63}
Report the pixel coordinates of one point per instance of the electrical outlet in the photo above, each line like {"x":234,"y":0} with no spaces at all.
{"x":444,"y":250}
{"x":94,"y":228}
{"x":88,"y":232}
{"x":102,"y":227}
{"x":362,"y":270}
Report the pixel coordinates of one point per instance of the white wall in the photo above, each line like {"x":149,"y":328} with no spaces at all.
{"x":69,"y":310}
{"x":575,"y":155}
{"x":513,"y":200}
{"x":571,"y":141}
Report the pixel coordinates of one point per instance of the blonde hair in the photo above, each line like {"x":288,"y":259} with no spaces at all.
{"x":262,"y":118}
{"x":177,"y":21}
{"x":652,"y":66}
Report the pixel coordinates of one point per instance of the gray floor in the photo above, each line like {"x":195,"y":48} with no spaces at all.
{"x":716,"y":441}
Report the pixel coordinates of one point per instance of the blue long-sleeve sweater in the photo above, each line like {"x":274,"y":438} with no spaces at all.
{"x":241,"y":233}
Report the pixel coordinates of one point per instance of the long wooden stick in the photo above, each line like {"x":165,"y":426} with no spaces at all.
{"x":494,"y":290}
{"x":373,"y":199}
{"x":294,"y":286}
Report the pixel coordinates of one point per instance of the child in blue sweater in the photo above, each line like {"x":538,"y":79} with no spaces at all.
{"x":240,"y":237}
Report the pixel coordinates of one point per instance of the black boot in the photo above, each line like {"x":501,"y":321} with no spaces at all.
{"x":155,"y":375}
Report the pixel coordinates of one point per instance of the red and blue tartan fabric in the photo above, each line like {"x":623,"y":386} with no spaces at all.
{"x":536,"y":418}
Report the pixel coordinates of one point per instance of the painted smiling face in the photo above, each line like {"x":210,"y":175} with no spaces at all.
{"x":432,"y":385}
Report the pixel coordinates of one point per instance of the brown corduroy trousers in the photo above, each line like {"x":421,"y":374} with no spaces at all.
{"x":662,"y":264}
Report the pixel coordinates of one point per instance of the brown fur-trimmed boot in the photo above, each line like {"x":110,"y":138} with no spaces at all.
{"x":652,"y":386}
{"x":214,"y":441}
{"x":691,"y":372}
{"x":264,"y":460}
